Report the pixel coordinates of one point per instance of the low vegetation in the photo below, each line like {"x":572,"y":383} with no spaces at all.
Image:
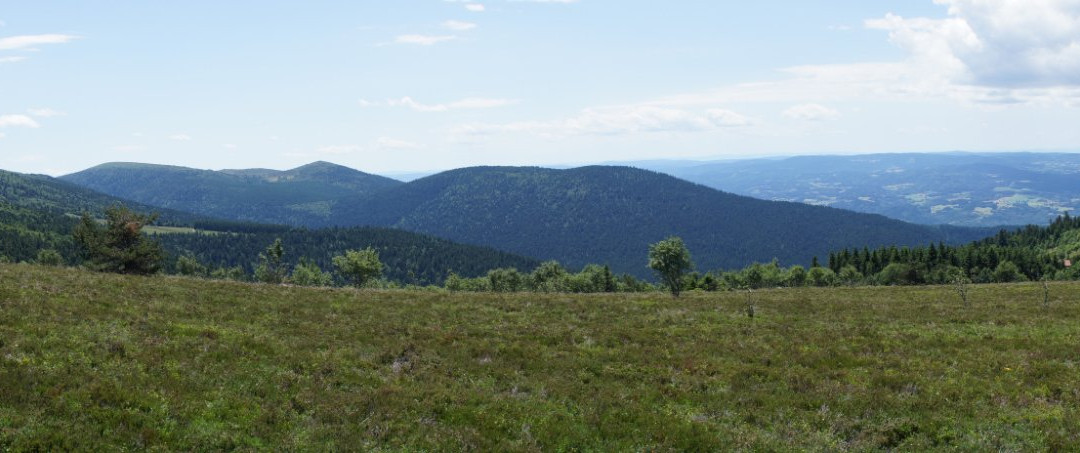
{"x":107,"y":362}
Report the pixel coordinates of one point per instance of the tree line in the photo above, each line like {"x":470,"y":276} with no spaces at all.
{"x":118,"y":244}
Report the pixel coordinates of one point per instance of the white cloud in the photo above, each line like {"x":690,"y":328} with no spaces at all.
{"x":180,"y":137}
{"x":2,"y":135}
{"x":811,"y":112}
{"x":617,"y":121}
{"x":25,"y":41}
{"x":995,"y":43}
{"x":463,"y":104}
{"x":726,"y":118}
{"x":229,"y":146}
{"x":475,"y":7}
{"x":11,"y":59}
{"x":423,"y":40}
{"x":45,"y":113}
{"x":18,"y":121}
{"x":458,"y":25}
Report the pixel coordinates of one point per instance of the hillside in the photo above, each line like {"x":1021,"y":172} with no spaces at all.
{"x":604,"y":215}
{"x":407,"y":257}
{"x":102,"y":362}
{"x":969,"y":189}
{"x":300,"y":196}
{"x":39,"y":212}
{"x":611,"y":214}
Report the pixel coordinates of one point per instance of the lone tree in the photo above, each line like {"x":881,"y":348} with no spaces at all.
{"x":359,"y":266}
{"x":670,"y":259}
{"x":272,"y":268}
{"x":119,"y":246}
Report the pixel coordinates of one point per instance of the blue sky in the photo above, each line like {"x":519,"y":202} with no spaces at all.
{"x":421,"y":85}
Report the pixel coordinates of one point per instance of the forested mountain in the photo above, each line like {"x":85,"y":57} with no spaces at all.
{"x":970,"y":189}
{"x":301,"y":196}
{"x":39,"y":212}
{"x":609,"y":215}
{"x":605,"y":215}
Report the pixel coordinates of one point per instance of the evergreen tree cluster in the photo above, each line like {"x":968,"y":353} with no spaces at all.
{"x":1030,"y":253}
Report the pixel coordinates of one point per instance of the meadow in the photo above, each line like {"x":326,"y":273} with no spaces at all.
{"x":92,"y":361}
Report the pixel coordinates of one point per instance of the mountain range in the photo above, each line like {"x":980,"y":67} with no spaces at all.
{"x":39,"y":212}
{"x":301,"y":196}
{"x":598,"y":214}
{"x":970,"y":189}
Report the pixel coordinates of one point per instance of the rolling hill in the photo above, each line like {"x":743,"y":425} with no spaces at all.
{"x":970,"y":189}
{"x":610,"y":215}
{"x":38,"y":212}
{"x":606,"y":215}
{"x":300,"y":196}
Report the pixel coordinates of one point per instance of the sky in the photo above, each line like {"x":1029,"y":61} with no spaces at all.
{"x":423,"y":85}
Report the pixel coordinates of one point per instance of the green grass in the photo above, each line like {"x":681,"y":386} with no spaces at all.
{"x":102,"y":362}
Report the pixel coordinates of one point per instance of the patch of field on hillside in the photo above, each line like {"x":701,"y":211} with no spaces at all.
{"x":101,"y":362}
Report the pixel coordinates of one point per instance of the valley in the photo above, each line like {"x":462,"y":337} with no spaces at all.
{"x":972,"y":189}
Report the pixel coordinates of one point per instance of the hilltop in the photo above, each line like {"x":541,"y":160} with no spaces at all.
{"x":300,"y":196}
{"x":38,"y":212}
{"x":604,"y":215}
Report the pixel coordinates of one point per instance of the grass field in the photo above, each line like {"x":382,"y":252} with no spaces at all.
{"x":102,"y":362}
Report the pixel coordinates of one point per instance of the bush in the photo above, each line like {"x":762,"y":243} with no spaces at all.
{"x":50,"y":257}
{"x":359,"y":266}
{"x":506,"y":280}
{"x":189,"y":266}
{"x":897,"y":274}
{"x":1008,"y":272}
{"x":307,"y":273}
{"x":821,"y":276}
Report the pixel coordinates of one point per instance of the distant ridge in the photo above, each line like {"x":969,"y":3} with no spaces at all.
{"x":258,"y":195}
{"x":956,"y":188}
{"x":39,"y":212}
{"x":599,"y":214}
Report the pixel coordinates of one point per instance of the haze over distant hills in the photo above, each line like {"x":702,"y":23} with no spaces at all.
{"x":973,"y":189}
{"x":605,"y":215}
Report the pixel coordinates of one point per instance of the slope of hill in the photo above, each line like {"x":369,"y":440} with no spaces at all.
{"x":606,"y":215}
{"x":610,"y":215}
{"x":407,"y":257}
{"x":39,"y":212}
{"x":946,"y":188}
{"x":296,"y":197}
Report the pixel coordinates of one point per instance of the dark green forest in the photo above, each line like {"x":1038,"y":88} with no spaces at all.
{"x":578,"y":216}
{"x":303,"y":196}
{"x":409,"y":258}
{"x":39,"y":213}
{"x":1030,"y":253}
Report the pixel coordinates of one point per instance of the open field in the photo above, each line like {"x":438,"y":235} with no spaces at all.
{"x":102,"y":362}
